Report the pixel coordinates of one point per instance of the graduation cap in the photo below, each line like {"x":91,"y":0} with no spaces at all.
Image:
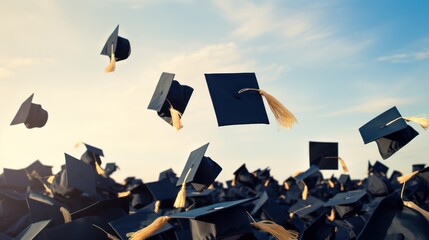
{"x":325,"y":156}
{"x":303,"y":208}
{"x":418,"y":167}
{"x":91,"y":155}
{"x":16,"y":177}
{"x":119,"y":204}
{"x":39,"y":168}
{"x":80,"y":175}
{"x":377,"y":185}
{"x":243,"y":176}
{"x":161,"y":190}
{"x":237,"y":99}
{"x":380,"y":168}
{"x":269,"y":209}
{"x":390,"y":131}
{"x":110,"y":168}
{"x":33,"y":230}
{"x":127,"y":225}
{"x":31,"y":114}
{"x":346,"y":202}
{"x":306,"y":178}
{"x":318,"y":229}
{"x":117,"y":48}
{"x":170,"y":99}
{"x":200,"y":171}
{"x":344,"y":181}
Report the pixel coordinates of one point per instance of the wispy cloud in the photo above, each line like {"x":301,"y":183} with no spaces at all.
{"x":5,"y":73}
{"x":405,"y":57}
{"x":371,"y":106}
{"x":18,"y":62}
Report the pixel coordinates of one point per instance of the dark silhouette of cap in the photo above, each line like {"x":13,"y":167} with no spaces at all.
{"x":389,"y":130}
{"x":80,"y":175}
{"x":324,"y":155}
{"x":170,"y":96}
{"x":31,"y":114}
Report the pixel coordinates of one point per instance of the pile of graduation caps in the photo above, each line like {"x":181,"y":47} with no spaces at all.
{"x":82,"y":201}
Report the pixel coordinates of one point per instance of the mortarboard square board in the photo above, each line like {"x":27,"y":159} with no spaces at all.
{"x":161,"y":190}
{"x":119,"y":45}
{"x":231,"y":106}
{"x":418,"y":167}
{"x":380,"y":168}
{"x":80,"y":175}
{"x":92,"y":154}
{"x":41,"y":210}
{"x":101,"y":206}
{"x":318,"y":229}
{"x":303,"y":208}
{"x":199,"y":170}
{"x":110,"y":168}
{"x":32,"y":115}
{"x":16,"y":177}
{"x":302,"y":176}
{"x":243,"y":176}
{"x":390,"y":132}
{"x":39,"y":168}
{"x":346,"y":202}
{"x":220,"y":220}
{"x":169,"y":93}
{"x":136,"y":221}
{"x":324,"y":155}
{"x":32,"y":230}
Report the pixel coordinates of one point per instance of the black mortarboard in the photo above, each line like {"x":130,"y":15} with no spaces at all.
{"x":161,"y":190}
{"x":346,"y":202}
{"x":324,"y":155}
{"x":220,"y":220}
{"x":110,"y":168}
{"x":16,"y":177}
{"x":380,"y":168}
{"x":389,"y":130}
{"x":92,"y":154}
{"x":302,"y":208}
{"x":136,"y":221}
{"x":39,"y":168}
{"x":376,"y":186}
{"x":418,"y":167}
{"x":42,"y":210}
{"x":199,"y":170}
{"x":170,"y":99}
{"x":32,"y":230}
{"x":237,"y":99}
{"x":310,"y":171}
{"x":116,"y":48}
{"x":318,"y":229}
{"x":122,"y":204}
{"x":80,"y":175}
{"x":243,"y":176}
{"x":269,"y":209}
{"x":32,"y":115}
{"x":168,"y":174}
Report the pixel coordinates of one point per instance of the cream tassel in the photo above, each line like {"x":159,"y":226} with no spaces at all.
{"x":304,"y":192}
{"x":180,"y":201}
{"x":343,"y":165}
{"x":332,"y":216}
{"x":299,"y":210}
{"x":422,"y":121}
{"x":402,"y":179}
{"x":414,"y":206}
{"x":283,"y":116}
{"x":66,"y":215}
{"x":331,"y":183}
{"x":275,"y":230}
{"x":149,"y":230}
{"x":112,"y":65}
{"x":175,"y":118}
{"x":286,"y":185}
{"x":157,"y":204}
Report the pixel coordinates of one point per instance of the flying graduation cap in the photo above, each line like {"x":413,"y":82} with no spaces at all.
{"x":31,"y":114}
{"x":390,"y":131}
{"x":170,"y":99}
{"x":200,"y":171}
{"x":325,"y":156}
{"x":116,"y":48}
{"x":237,"y":99}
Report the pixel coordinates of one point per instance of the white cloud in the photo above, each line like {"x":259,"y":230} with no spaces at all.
{"x":5,"y":73}
{"x":18,"y":62}
{"x":405,"y":57}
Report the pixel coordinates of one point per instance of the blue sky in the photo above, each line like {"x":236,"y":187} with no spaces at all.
{"x":334,"y":64}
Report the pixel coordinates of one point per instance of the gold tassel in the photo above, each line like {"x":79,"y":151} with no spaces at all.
{"x":157,"y":204}
{"x":343,"y":165}
{"x":422,"y":121}
{"x":180,"y":201}
{"x":402,"y":179}
{"x":123,"y":194}
{"x":332,"y":216}
{"x":78,"y":144}
{"x":267,"y":182}
{"x":304,"y":192}
{"x":233,"y":182}
{"x":414,"y":206}
{"x":66,"y":215}
{"x":50,"y":179}
{"x":98,"y":168}
{"x":175,"y":118}
{"x":331,"y":183}
{"x":284,"y":117}
{"x":286,"y":185}
{"x":149,"y":230}
{"x":112,"y":65}
{"x":109,"y":236}
{"x":299,"y":210}
{"x":275,"y":230}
